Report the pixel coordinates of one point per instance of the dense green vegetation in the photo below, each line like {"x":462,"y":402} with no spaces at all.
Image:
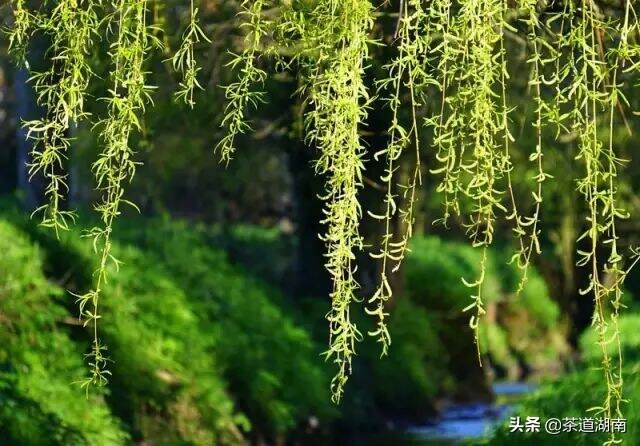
{"x":521,"y":327}
{"x":444,"y":68}
{"x":183,"y":338}
{"x":40,"y":359}
{"x":203,"y":352}
{"x":575,"y":394}
{"x":393,"y":172}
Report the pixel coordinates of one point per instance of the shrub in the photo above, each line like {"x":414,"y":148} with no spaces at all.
{"x":519,"y":327}
{"x":629,"y":326}
{"x":200,"y":349}
{"x":166,"y":382}
{"x":39,"y":359}
{"x":270,"y":362}
{"x":415,"y":373}
{"x":566,"y":397}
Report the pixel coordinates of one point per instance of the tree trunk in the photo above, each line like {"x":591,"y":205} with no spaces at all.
{"x":7,"y":137}
{"x":310,"y":276}
{"x":25,"y":109}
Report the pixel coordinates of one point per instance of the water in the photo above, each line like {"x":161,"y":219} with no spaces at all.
{"x":458,"y":422}
{"x":455,"y":424}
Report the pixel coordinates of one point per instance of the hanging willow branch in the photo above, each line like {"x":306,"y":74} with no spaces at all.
{"x":241,"y":95}
{"x":611,"y":212}
{"x":481,"y":72}
{"x":116,"y":166}
{"x":184,"y":60}
{"x":339,"y":101}
{"x":587,"y":92}
{"x":527,"y":228}
{"x":73,"y":26}
{"x":446,"y":127}
{"x":19,"y":34}
{"x":405,"y":72}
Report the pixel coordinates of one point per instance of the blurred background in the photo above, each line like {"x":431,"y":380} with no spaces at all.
{"x":215,"y":319}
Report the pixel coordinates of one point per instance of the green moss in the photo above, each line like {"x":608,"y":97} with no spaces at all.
{"x":270,"y":362}
{"x":39,"y":359}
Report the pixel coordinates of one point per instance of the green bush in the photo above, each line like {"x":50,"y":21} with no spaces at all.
{"x":263,"y":252}
{"x":518,"y":327}
{"x":201,"y":350}
{"x":166,"y":383}
{"x":629,"y":326}
{"x":39,"y":359}
{"x":415,"y":373}
{"x":435,"y":269}
{"x":271,"y":364}
{"x":567,"y":397}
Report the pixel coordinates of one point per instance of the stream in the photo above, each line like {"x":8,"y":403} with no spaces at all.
{"x":458,"y":422}
{"x":455,"y":423}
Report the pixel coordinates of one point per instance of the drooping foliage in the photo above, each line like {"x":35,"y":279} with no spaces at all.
{"x":61,"y":89}
{"x":184,"y":60}
{"x":115,"y":165}
{"x":450,"y":70}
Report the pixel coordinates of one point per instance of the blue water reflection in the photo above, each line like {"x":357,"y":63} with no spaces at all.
{"x":472,"y":420}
